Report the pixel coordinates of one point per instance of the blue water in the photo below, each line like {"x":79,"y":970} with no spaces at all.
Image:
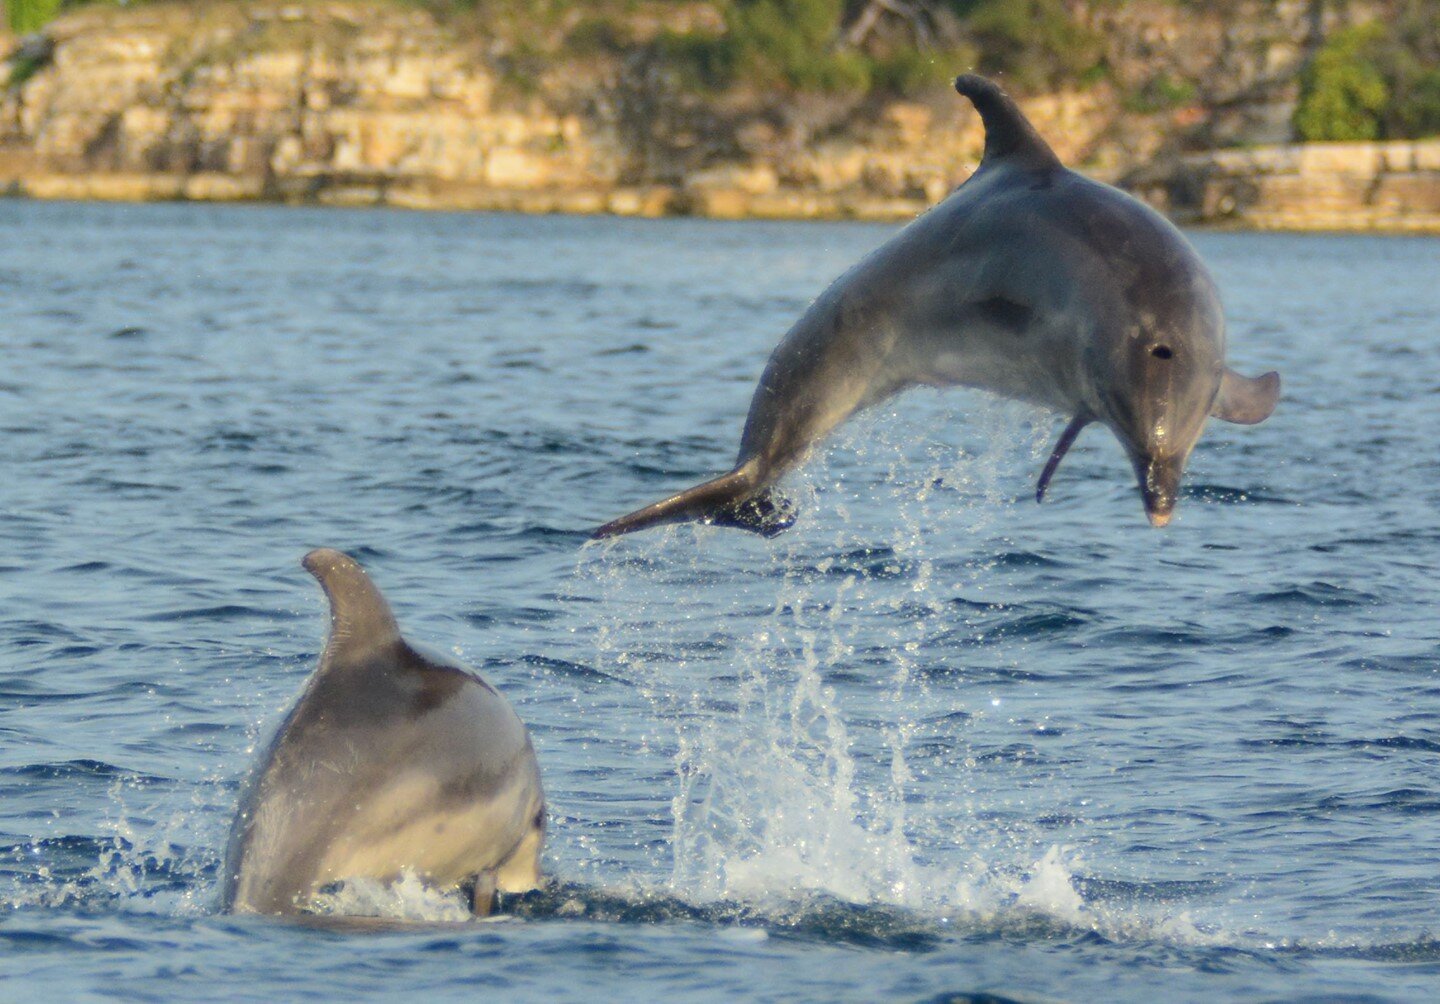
{"x":936,"y":740}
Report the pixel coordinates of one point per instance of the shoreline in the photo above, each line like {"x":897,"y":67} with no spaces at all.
{"x":663,"y":202}
{"x":646,"y":202}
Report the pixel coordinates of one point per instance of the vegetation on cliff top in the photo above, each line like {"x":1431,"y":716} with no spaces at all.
{"x":879,"y":45}
{"x":1364,"y":79}
{"x":1376,"y":80}
{"x":26,"y":16}
{"x":1373,"y":70}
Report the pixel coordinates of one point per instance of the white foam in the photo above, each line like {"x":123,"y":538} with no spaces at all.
{"x":408,"y":898}
{"x":1049,"y":888}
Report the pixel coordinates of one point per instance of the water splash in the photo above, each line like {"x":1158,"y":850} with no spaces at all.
{"x":1049,"y":888}
{"x":141,"y":857}
{"x":408,"y":898}
{"x":781,"y":791}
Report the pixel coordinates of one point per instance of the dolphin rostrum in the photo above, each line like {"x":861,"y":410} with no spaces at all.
{"x":393,"y":760}
{"x":1029,"y":281}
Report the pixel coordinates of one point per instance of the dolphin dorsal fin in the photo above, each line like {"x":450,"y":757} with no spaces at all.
{"x":360,"y":619}
{"x":1009,"y":136}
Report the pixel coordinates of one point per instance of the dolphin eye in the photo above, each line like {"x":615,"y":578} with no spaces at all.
{"x":1162,"y":352}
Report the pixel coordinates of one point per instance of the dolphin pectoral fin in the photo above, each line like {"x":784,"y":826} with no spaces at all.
{"x":1062,"y":446}
{"x":482,"y":897}
{"x":1246,"y":400}
{"x":731,"y":500}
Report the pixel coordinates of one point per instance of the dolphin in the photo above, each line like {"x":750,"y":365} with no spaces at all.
{"x":392,"y":760}
{"x":1029,"y":281}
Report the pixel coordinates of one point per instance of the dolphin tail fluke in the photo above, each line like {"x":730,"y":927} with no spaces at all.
{"x":1246,"y":400}
{"x":766,"y":513}
{"x":731,"y":500}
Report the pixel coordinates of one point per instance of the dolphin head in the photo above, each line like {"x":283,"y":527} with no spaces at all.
{"x":1156,"y":375}
{"x":1154,"y":370}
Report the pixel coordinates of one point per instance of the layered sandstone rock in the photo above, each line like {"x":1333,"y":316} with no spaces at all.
{"x":348,"y":102}
{"x":289,"y":102}
{"x":1316,"y":186}
{"x":357,"y":103}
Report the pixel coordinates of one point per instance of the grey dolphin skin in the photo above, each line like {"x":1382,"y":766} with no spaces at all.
{"x":392,"y":761}
{"x":1029,"y":281}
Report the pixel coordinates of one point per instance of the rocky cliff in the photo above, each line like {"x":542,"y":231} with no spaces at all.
{"x":1391,"y":187}
{"x":359,"y":103}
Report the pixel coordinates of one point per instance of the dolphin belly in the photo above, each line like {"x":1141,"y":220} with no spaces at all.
{"x":410,"y":827}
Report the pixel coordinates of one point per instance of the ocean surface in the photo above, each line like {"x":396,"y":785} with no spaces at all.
{"x":936,"y":742}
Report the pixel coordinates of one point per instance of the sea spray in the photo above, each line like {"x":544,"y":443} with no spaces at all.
{"x":772,"y":796}
{"x":150,"y":852}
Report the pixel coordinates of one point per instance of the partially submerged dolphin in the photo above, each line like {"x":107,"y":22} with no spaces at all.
{"x":1029,"y":281}
{"x":392,"y":761}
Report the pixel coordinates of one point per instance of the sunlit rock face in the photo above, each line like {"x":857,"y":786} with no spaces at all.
{"x":369,"y":104}
{"x":289,"y":101}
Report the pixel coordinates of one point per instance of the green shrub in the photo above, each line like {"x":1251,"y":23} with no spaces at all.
{"x":1418,"y":114}
{"x":26,"y":16}
{"x":1161,"y":94}
{"x":911,"y":71}
{"x":595,"y":35}
{"x":784,"y":33}
{"x":1342,"y":92}
{"x":770,"y":43}
{"x":1035,"y":43}
{"x":1410,"y":60}
{"x":1379,"y":80}
{"x":792,"y":42}
{"x":700,"y":61}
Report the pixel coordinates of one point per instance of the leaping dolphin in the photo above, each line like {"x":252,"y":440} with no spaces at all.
{"x":392,"y":760}
{"x":1029,"y":281}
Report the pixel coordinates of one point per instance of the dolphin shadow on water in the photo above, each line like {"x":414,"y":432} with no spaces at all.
{"x":1029,"y":281}
{"x":393,"y":760}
